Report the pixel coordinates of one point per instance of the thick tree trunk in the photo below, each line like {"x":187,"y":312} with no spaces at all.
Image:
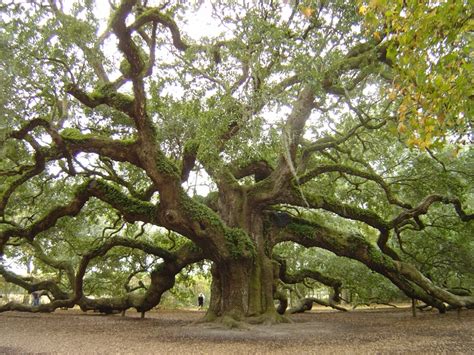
{"x":242,"y":287}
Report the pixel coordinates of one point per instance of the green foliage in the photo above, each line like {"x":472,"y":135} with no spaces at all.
{"x":400,"y":74}
{"x":430,"y":46}
{"x":189,"y":284}
{"x":359,"y":283}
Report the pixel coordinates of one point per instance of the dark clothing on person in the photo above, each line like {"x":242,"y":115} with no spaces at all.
{"x":36,"y":299}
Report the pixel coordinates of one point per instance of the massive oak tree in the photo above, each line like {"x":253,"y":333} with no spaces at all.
{"x":285,"y":111}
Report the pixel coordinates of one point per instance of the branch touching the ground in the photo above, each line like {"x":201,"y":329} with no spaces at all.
{"x":162,"y":279}
{"x":306,"y":304}
{"x":32,"y":285}
{"x":302,"y":274}
{"x":405,"y":276}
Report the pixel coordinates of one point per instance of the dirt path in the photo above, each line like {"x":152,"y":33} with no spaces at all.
{"x":171,"y":332}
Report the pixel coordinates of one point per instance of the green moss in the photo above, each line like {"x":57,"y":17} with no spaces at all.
{"x":73,"y":134}
{"x":210,"y":200}
{"x":192,"y":246}
{"x":121,"y":101}
{"x":239,"y":243}
{"x":103,"y":91}
{"x":378,"y":257}
{"x":165,"y":166}
{"x":108,"y":94}
{"x":255,"y":286}
{"x":199,"y":212}
{"x":191,"y":146}
{"x":125,"y":67}
{"x":302,"y":230}
{"x":129,"y":205}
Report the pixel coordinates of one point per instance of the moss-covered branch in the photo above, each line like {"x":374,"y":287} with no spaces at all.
{"x":261,"y":169}
{"x":353,"y":246}
{"x":162,"y":279}
{"x":105,"y":94}
{"x":119,"y":150}
{"x":154,"y":15}
{"x":306,"y":304}
{"x":317,"y":201}
{"x":131,"y":208}
{"x":32,"y":285}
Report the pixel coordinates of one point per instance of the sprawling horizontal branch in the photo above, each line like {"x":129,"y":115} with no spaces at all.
{"x":260,"y":169}
{"x":119,"y":150}
{"x":424,"y":206}
{"x":306,"y":304}
{"x":104,"y":95}
{"x":112,"y":243}
{"x":42,"y":308}
{"x":300,"y":275}
{"x":355,"y":172}
{"x":344,"y":210}
{"x":308,"y":199}
{"x":32,"y":285}
{"x":29,"y":127}
{"x":162,"y":279}
{"x":132,"y":210}
{"x":405,"y":276}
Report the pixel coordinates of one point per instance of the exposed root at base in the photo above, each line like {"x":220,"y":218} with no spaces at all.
{"x":269,"y":319}
{"x":235,"y":322}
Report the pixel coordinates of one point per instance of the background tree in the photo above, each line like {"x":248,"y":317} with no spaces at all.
{"x":109,"y":127}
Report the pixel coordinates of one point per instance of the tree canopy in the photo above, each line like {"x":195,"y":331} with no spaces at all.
{"x":137,"y":146}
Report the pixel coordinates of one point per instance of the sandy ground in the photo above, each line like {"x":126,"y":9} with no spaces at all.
{"x":173,"y":332}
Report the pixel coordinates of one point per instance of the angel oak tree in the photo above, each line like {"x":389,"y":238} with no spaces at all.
{"x":107,"y":126}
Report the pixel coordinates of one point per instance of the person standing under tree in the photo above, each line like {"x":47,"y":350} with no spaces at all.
{"x":36,"y":298}
{"x":201,"y":300}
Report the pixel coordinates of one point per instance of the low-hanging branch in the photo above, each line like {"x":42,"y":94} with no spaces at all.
{"x":403,"y":275}
{"x":306,"y":304}
{"x":301,"y":274}
{"x":131,"y":209}
{"x":162,"y":279}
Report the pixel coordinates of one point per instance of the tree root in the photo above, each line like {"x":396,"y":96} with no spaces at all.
{"x":237,"y":322}
{"x":306,"y":304}
{"x":268,"y":318}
